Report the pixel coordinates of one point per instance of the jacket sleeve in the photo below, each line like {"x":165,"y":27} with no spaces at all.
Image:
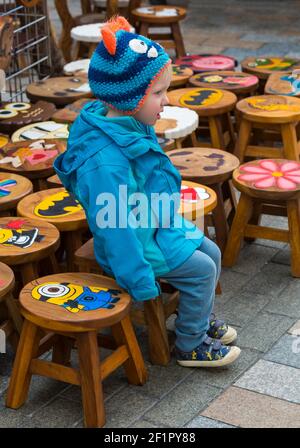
{"x":99,"y":194}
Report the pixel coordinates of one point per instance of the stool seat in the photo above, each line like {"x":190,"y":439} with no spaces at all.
{"x":89,"y":32}
{"x":54,"y":181}
{"x":39,"y":131}
{"x":159,"y":14}
{"x":11,"y":321}
{"x":176,"y":122}
{"x":7,"y":280}
{"x":180,"y":75}
{"x":284,"y":84}
{"x":12,"y":189}
{"x":196,"y":201}
{"x":237,"y":82}
{"x":70,"y":112}
{"x":270,"y":108}
{"x":207,"y":62}
{"x":77,"y":68}
{"x":264,"y":66}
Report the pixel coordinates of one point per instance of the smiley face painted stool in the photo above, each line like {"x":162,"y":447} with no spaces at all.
{"x":180,"y":76}
{"x":69,"y":113}
{"x":263,"y":67}
{"x":16,"y":115}
{"x":24,"y":242}
{"x":282,"y":83}
{"x":275,"y":117}
{"x":60,"y":90}
{"x":13,"y":188}
{"x":213,"y":107}
{"x":60,"y":208}
{"x":177,"y":123}
{"x":162,"y":17}
{"x":207,"y":62}
{"x":213,"y":168}
{"x":40,"y":131}
{"x":75,"y":307}
{"x":32,"y":159}
{"x":270,"y":182}
{"x":239,"y":83}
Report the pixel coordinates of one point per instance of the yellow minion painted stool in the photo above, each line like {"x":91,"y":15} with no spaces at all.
{"x":75,"y":307}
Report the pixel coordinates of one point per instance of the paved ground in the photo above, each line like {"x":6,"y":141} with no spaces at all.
{"x":259,"y":298}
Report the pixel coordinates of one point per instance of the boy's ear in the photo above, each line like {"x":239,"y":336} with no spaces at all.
{"x":109,"y":40}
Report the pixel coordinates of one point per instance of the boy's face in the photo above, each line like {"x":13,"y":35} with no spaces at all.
{"x":156,"y":99}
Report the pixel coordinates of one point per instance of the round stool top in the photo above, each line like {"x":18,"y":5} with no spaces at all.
{"x":15,"y":115}
{"x":205,"y":102}
{"x":284,"y":84}
{"x":61,"y":90}
{"x":23,"y":240}
{"x":32,"y":158}
{"x":77,"y":68}
{"x":270,"y":108}
{"x":55,"y":205}
{"x":54,"y":181}
{"x":180,"y":75}
{"x":204,"y":165}
{"x":264,"y":66}
{"x":196,"y":199}
{"x":89,"y":33}
{"x":176,"y":122}
{"x":269,"y":178}
{"x":4,"y":139}
{"x":103,"y":3}
{"x":70,"y":112}
{"x":236,"y":82}
{"x":74,"y":301}
{"x":207,"y":62}
{"x":45,"y":129}
{"x":166,"y":143}
{"x":12,"y":189}
{"x":7,"y":280}
{"x":159,"y":14}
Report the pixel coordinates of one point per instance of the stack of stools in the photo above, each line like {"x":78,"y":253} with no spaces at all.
{"x":12,"y":189}
{"x":274,"y":182}
{"x":213,"y":107}
{"x":60,"y":208}
{"x":270,"y":117}
{"x":75,"y":307}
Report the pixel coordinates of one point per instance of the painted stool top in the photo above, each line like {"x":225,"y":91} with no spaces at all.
{"x":207,"y":62}
{"x":180,"y":75}
{"x":60,"y":90}
{"x":206,"y":165}
{"x":19,"y":114}
{"x":263,"y":66}
{"x":271,"y":108}
{"x":284,"y":83}
{"x":77,"y":68}
{"x":40,"y":131}
{"x":7,"y":279}
{"x":237,"y":82}
{"x":159,"y":14}
{"x":89,"y":33}
{"x":196,"y":199}
{"x":176,"y":122}
{"x":13,"y":188}
{"x":70,"y":112}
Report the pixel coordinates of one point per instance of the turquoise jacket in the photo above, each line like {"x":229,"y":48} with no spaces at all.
{"x":103,"y":154}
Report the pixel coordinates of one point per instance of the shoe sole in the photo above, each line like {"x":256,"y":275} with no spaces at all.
{"x":228,"y":359}
{"x":229,"y":337}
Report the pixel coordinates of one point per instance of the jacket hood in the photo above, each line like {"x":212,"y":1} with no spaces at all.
{"x":92,"y":130}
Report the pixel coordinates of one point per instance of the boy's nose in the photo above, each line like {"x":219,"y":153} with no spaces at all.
{"x":165,"y":101}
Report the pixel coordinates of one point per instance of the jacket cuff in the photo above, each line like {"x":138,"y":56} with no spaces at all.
{"x":145,"y":293}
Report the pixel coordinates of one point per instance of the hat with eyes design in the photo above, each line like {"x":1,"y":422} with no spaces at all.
{"x":124,"y":66}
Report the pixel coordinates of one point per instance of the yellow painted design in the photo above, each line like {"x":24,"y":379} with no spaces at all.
{"x":213,"y":78}
{"x":194,"y":355}
{"x":57,"y":205}
{"x":272,"y":63}
{"x":209,"y":356}
{"x":277,"y":174}
{"x":6,"y":234}
{"x":272,"y":105}
{"x":22,"y":153}
{"x":3,"y":140}
{"x":201,"y":97}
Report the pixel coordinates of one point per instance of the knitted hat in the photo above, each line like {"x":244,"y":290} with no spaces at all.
{"x":124,"y":66}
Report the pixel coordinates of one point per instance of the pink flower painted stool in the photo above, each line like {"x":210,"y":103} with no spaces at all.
{"x":265,"y":185}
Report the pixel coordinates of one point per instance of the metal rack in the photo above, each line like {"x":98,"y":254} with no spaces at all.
{"x":31,"y":53}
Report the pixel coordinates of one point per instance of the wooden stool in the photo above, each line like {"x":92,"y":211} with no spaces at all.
{"x":264,"y":66}
{"x":166,"y":143}
{"x":54,"y":182}
{"x":207,"y":62}
{"x":213,"y":107}
{"x":239,"y":83}
{"x":284,"y":84}
{"x":177,"y":123}
{"x":32,"y":159}
{"x":211,"y":167}
{"x":70,"y":112}
{"x":75,"y":307}
{"x":13,"y":321}
{"x":25,"y":242}
{"x":40,"y":131}
{"x":274,"y":116}
{"x":77,"y":68}
{"x":12,"y":189}
{"x":260,"y":182}
{"x":180,"y":76}
{"x":162,"y":17}
{"x":58,"y":207}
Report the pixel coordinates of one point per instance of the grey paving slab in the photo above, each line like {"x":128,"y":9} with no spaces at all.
{"x":204,"y":422}
{"x":183,"y":403}
{"x":279,"y":48}
{"x":287,"y":302}
{"x":146,"y":424}
{"x":263,"y":330}
{"x":283,"y":256}
{"x":60,"y":413}
{"x":252,"y":258}
{"x":270,"y":38}
{"x":14,"y":418}
{"x":272,"y":379}
{"x":295,"y":329}
{"x":231,"y":282}
{"x":286,"y":351}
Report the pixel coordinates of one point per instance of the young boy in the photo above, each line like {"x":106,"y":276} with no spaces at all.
{"x":113,"y":154}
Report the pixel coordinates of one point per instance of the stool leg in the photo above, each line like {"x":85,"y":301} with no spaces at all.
{"x":219,"y":218}
{"x":91,"y":386}
{"x":135,"y":369}
{"x":290,"y":144}
{"x":28,"y":272}
{"x":157,"y":332}
{"x":14,"y":312}
{"x":73,"y":241}
{"x":62,"y":350}
{"x":21,"y":376}
{"x":144,"y":29}
{"x":177,"y":37}
{"x":236,"y":234}
{"x":243,"y":140}
{"x":293,"y":209}
{"x":216,"y":133}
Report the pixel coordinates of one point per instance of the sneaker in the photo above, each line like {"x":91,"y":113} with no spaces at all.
{"x":210,"y":353}
{"x":219,"y":330}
